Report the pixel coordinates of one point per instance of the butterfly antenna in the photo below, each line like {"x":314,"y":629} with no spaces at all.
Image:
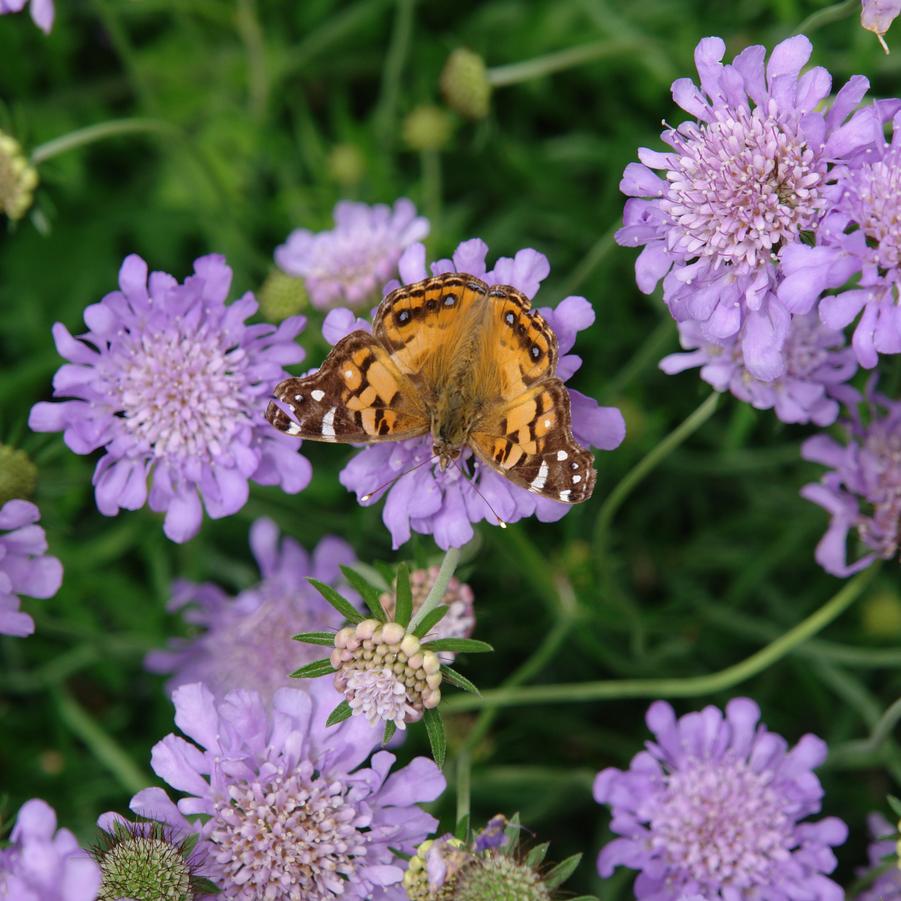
{"x":475,"y":488}
{"x":391,"y":481}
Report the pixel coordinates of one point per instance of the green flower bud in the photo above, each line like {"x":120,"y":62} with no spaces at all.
{"x":497,"y":877}
{"x":17,"y":178}
{"x":346,"y":165}
{"x":282,"y":295}
{"x":465,"y":84}
{"x":18,"y":475}
{"x":428,"y":128}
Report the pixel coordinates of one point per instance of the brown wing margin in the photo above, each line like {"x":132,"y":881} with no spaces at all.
{"x":357,"y":396}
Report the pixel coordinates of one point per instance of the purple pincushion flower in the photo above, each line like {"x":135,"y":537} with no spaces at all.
{"x":246,"y":640}
{"x":714,"y":806}
{"x":859,"y":242}
{"x":444,"y":503}
{"x":170,"y":381}
{"x":41,"y":11}
{"x":352,"y":261}
{"x":290,"y":807}
{"x":739,"y":184}
{"x":862,"y":492}
{"x":43,"y":863}
{"x":883,"y":857}
{"x":817,"y":366}
{"x":25,"y":567}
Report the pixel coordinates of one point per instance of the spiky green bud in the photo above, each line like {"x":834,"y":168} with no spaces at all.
{"x":497,"y":877}
{"x":465,"y":84}
{"x":428,"y":127}
{"x":18,"y":179}
{"x":18,"y":475}
{"x":282,"y":295}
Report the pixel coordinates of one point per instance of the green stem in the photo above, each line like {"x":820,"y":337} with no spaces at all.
{"x":102,"y":745}
{"x":439,"y":587}
{"x":464,"y":778}
{"x":431,"y":184}
{"x":254,"y":43}
{"x":99,"y":132}
{"x":647,"y":354}
{"x":596,"y":255}
{"x":647,"y":464}
{"x":827,"y":16}
{"x":398,"y":49}
{"x":867,"y":747}
{"x":501,"y":76}
{"x":692,"y":686}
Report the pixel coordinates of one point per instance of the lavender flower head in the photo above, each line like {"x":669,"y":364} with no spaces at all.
{"x":739,"y":184}
{"x":714,"y":806}
{"x":291,"y":809}
{"x":43,"y":863}
{"x":41,"y":11}
{"x":817,"y":366}
{"x":245,"y":641}
{"x":445,"y":504}
{"x":860,"y":242}
{"x":862,"y":492}
{"x":883,"y":856}
{"x":25,"y":567}
{"x":170,"y":381}
{"x":352,"y":261}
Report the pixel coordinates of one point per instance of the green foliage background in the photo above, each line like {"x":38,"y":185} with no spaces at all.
{"x":710,"y":558}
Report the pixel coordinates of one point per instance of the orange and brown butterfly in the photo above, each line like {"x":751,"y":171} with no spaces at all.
{"x":470,"y":364}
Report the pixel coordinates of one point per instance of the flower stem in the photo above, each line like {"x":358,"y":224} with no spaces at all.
{"x":596,"y":255}
{"x":431,"y":184}
{"x":102,"y":745}
{"x":692,"y":686}
{"x":647,"y":464}
{"x":827,"y":16}
{"x":464,"y":779}
{"x":251,"y":33}
{"x":98,"y":132}
{"x":501,"y":76}
{"x":439,"y":587}
{"x":398,"y":50}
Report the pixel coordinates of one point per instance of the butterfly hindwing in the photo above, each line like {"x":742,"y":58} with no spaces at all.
{"x":357,"y":396}
{"x":530,"y":441}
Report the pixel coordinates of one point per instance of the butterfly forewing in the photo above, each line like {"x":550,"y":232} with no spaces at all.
{"x":530,"y":441}
{"x":358,"y":395}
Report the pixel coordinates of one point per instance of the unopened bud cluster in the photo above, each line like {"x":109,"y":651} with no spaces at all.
{"x":18,"y":475}
{"x":282,"y":295}
{"x":416,"y":878}
{"x":17,"y":178}
{"x":384,"y":673}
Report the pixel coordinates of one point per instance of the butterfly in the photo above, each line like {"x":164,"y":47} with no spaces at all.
{"x":470,"y":364}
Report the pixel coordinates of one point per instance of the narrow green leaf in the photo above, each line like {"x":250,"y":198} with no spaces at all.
{"x":462,"y":830}
{"x":341,"y":713}
{"x":390,"y":729}
{"x":584,"y":898}
{"x":314,"y":670}
{"x":430,"y":620}
{"x":370,"y":594}
{"x":535,"y":857}
{"x":895,"y":804}
{"x":403,"y":594}
{"x":512,"y":832}
{"x":203,"y":886}
{"x":323,"y":638}
{"x":557,"y":876}
{"x":434,"y":726}
{"x":341,"y":604}
{"x":458,"y":645}
{"x":401,"y":854}
{"x":457,"y":679}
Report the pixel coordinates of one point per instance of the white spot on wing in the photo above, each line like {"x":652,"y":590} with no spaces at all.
{"x":293,"y":428}
{"x":317,"y":395}
{"x":564,"y":495}
{"x":562,"y":455}
{"x":547,"y":423}
{"x":298,"y":397}
{"x":538,"y":482}
{"x":576,"y":480}
{"x":328,"y":424}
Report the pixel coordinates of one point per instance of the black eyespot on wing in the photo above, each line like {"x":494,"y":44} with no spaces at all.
{"x":449,"y":300}
{"x":509,"y":317}
{"x":402,"y":317}
{"x":520,"y":328}
{"x":535,"y":351}
{"x":430,"y":304}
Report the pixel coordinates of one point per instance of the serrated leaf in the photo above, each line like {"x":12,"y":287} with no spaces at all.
{"x":434,"y":726}
{"x":430,"y":620}
{"x":370,"y":594}
{"x":535,"y":857}
{"x":323,"y":638}
{"x":462,"y":830}
{"x":557,"y":876}
{"x":341,"y":713}
{"x":341,"y":604}
{"x":314,"y":670}
{"x":457,"y":679}
{"x":403,"y":596}
{"x":390,"y":729}
{"x":459,"y":645}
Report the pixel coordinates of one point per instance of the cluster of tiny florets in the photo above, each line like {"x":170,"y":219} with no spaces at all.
{"x":17,"y":179}
{"x":384,"y":673}
{"x":416,"y":876}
